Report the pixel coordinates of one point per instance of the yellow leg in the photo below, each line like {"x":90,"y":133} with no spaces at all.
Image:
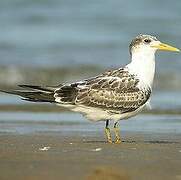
{"x":108,"y":132}
{"x":117,"y":133}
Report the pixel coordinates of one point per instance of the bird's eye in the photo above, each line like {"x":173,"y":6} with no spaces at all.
{"x":147,"y":40}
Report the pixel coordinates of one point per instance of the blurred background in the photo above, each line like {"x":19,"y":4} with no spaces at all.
{"x":51,"y":41}
{"x":47,"y":42}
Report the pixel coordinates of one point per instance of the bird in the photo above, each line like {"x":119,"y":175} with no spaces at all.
{"x":113,"y":95}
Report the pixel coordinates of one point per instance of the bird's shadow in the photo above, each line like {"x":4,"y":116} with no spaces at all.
{"x":135,"y":142}
{"x":161,"y":142}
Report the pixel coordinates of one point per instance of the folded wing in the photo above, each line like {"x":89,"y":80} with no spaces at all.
{"x":114,"y":90}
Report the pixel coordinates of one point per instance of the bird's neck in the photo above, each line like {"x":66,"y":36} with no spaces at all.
{"x":143,"y":65}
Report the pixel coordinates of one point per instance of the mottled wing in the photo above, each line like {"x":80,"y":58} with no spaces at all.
{"x":114,"y":90}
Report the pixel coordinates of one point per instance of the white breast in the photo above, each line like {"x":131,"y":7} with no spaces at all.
{"x":143,"y":65}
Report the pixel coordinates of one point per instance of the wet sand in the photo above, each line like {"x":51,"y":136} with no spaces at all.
{"x":78,"y":155}
{"x":52,"y":144}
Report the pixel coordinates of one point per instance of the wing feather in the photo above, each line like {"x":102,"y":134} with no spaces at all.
{"x":116,"y":90}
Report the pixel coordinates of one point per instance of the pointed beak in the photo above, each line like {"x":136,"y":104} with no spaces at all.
{"x":165,"y":47}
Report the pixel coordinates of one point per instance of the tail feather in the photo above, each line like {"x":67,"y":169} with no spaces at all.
{"x":42,"y":88}
{"x":37,"y":94}
{"x":53,"y":94}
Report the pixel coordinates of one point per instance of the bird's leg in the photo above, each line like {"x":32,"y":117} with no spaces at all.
{"x":108,"y":132}
{"x":117,"y":133}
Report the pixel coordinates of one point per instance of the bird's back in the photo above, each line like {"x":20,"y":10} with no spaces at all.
{"x":113,"y":92}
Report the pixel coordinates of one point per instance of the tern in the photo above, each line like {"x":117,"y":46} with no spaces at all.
{"x":111,"y":96}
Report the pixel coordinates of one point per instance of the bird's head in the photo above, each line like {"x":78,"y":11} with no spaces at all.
{"x":149,"y":44}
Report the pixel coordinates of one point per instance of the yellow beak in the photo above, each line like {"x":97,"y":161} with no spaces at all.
{"x":166,"y":47}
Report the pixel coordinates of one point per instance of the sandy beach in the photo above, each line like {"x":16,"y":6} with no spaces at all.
{"x":78,"y":155}
{"x":52,"y":144}
{"x":52,"y":42}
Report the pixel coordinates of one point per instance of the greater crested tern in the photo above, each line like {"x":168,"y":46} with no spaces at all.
{"x":113,"y":95}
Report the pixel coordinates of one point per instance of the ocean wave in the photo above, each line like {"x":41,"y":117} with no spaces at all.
{"x":11,"y":76}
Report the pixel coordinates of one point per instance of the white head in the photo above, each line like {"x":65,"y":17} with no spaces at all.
{"x":148,"y":44}
{"x":142,"y":50}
